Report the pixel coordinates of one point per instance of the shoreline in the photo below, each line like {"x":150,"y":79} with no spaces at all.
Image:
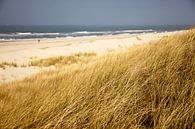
{"x":23,"y":51}
{"x":76,"y":34}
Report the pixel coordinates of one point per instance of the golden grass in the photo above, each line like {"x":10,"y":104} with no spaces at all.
{"x":149,"y":86}
{"x":63,"y":60}
{"x":3,"y":65}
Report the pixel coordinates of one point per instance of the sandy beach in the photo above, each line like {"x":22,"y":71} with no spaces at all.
{"x":21,"y":52}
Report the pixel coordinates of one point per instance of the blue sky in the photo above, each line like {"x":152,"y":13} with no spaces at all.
{"x":97,"y":12}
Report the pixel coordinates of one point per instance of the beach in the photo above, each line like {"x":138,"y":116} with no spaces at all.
{"x":21,"y":52}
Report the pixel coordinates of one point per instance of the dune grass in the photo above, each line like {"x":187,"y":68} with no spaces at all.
{"x":63,"y":60}
{"x":148,"y":86}
{"x":3,"y":65}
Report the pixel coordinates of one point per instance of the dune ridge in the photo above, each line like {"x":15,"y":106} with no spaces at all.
{"x":148,"y":86}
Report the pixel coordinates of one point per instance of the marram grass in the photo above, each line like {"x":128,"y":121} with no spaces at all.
{"x":149,"y":86}
{"x":63,"y":60}
{"x":3,"y":65}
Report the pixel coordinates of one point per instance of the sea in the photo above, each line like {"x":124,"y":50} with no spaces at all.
{"x":14,"y":32}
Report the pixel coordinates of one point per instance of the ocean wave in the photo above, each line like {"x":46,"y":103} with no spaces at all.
{"x":22,"y":33}
{"x":110,"y":32}
{"x":45,"y":33}
{"x":29,"y":35}
{"x":89,"y":32}
{"x":130,"y":31}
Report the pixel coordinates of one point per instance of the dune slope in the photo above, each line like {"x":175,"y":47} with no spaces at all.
{"x":148,"y":86}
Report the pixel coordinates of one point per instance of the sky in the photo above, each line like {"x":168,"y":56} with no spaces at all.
{"x":97,"y":12}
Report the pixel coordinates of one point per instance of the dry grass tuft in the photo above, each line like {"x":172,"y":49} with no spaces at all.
{"x":149,"y":86}
{"x":138,"y":38}
{"x":3,"y":65}
{"x":63,"y":60}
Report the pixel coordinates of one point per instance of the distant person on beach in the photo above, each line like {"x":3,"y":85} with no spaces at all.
{"x":39,"y":40}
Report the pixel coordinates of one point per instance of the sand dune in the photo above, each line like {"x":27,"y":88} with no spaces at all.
{"x":22,"y":52}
